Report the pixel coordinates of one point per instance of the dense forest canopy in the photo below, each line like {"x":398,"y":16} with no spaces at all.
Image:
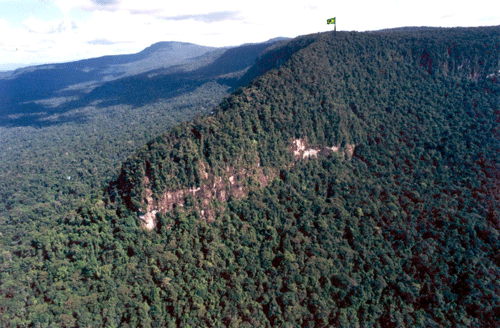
{"x":354,"y":184}
{"x":65,"y":143}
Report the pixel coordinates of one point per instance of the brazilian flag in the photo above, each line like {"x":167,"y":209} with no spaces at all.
{"x":331,"y":20}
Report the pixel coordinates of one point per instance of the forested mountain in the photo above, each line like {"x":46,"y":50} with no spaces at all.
{"x":30,"y":96}
{"x":27,"y":91}
{"x":355,"y":183}
{"x":66,"y":128}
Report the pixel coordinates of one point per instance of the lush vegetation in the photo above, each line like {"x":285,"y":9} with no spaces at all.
{"x":68,"y":139}
{"x":46,"y":171}
{"x":403,"y":231}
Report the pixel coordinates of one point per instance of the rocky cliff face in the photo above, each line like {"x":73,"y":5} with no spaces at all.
{"x":214,"y":190}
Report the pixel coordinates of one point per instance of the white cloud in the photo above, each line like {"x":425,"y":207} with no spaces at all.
{"x":150,"y":7}
{"x":189,"y":7}
{"x":4,"y":25}
{"x":67,"y":5}
{"x":38,"y":26}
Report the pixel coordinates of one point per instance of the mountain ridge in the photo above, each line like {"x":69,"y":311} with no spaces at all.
{"x":431,"y":63}
{"x":110,"y":59}
{"x":66,"y":86}
{"x":188,"y":152}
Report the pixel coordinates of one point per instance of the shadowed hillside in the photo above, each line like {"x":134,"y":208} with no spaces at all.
{"x":28,"y":96}
{"x":355,"y":184}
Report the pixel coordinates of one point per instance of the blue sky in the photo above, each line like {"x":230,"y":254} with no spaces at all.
{"x":49,"y":31}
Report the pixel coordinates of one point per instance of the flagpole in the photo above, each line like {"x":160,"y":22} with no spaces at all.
{"x":334,"y":22}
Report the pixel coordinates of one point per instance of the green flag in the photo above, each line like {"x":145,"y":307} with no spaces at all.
{"x":331,"y":20}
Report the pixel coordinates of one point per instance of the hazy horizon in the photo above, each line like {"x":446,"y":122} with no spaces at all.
{"x":53,"y":31}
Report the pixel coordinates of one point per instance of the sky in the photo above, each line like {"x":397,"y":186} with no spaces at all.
{"x":52,"y":31}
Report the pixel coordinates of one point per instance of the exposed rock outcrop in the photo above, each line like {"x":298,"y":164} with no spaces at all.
{"x":300,"y":151}
{"x":235,"y":182}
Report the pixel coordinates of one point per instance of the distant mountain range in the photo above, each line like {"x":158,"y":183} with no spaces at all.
{"x":27,"y":95}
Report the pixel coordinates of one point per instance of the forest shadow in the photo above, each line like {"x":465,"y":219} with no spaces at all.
{"x":136,"y":91}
